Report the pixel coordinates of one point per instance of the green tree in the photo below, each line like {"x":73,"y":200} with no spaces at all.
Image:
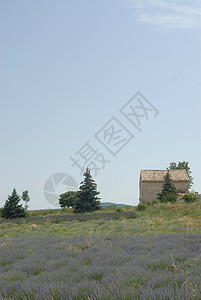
{"x":68,"y":199}
{"x":12,"y":209}
{"x":25,"y":197}
{"x":169,"y":192}
{"x":182,"y":165}
{"x":87,"y":195}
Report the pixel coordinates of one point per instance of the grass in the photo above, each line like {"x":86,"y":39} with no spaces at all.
{"x":156,"y":219}
{"x":69,"y":211}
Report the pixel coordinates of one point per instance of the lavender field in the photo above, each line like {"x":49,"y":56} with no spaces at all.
{"x":113,"y":267}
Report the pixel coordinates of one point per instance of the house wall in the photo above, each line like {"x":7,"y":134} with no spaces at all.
{"x":181,"y":186}
{"x":150,"y":189}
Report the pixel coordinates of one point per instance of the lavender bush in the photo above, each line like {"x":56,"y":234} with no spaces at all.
{"x":139,"y":267}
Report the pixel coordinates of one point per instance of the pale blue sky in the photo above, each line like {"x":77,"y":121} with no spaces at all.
{"x":67,"y":67}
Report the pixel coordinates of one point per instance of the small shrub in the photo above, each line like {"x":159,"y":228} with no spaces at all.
{"x":154,"y":202}
{"x":119,"y":209}
{"x":141,"y":207}
{"x":169,"y":198}
{"x":189,"y":198}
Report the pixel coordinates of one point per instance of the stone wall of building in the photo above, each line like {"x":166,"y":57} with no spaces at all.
{"x":149,"y":189}
{"x":182,"y":186}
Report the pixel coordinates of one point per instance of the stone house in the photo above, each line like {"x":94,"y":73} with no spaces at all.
{"x":151,"y":183}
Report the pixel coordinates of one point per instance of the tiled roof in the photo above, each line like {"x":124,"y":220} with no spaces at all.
{"x":158,"y":175}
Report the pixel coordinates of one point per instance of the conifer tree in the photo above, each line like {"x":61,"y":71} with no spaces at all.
{"x":12,"y":209}
{"x":87,"y":200}
{"x":169,"y":192}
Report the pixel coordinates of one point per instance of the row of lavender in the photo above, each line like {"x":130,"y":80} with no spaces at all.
{"x":148,"y":267}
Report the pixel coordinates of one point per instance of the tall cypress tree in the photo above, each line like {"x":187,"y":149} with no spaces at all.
{"x":12,"y":209}
{"x":169,"y":192}
{"x":87,"y":195}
